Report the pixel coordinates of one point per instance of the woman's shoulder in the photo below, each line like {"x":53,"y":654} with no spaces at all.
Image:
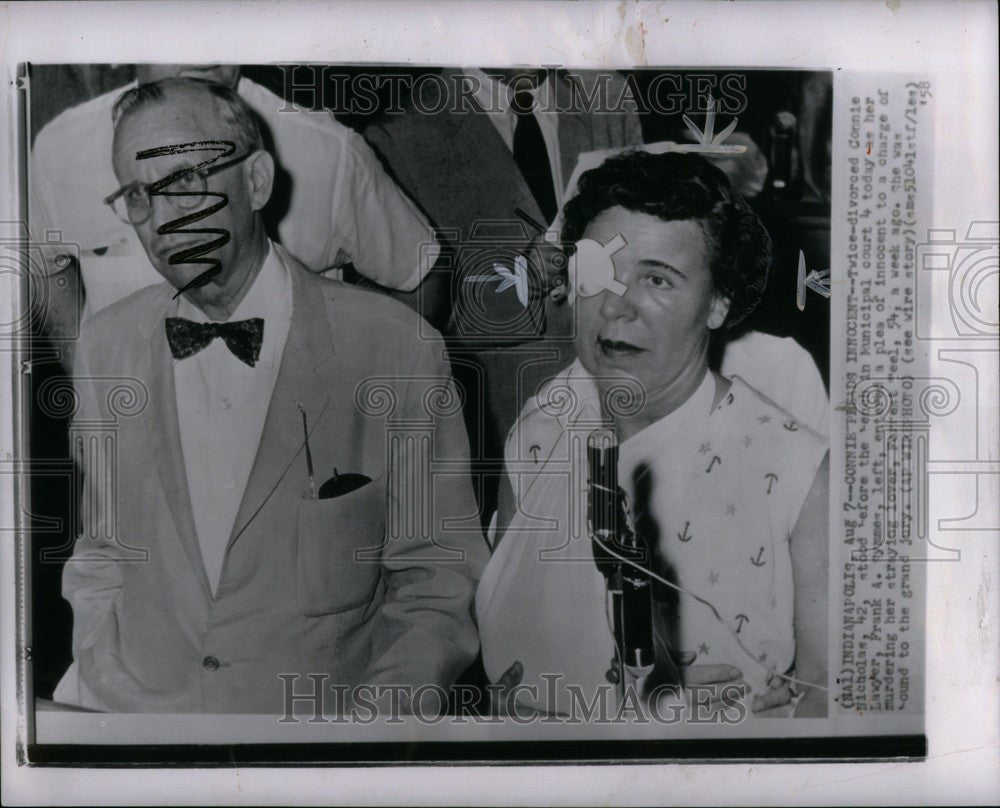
{"x":774,"y":454}
{"x":753,"y":405}
{"x":755,"y":417}
{"x":563,"y":400}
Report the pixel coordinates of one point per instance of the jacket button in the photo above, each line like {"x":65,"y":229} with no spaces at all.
{"x":210,"y":663}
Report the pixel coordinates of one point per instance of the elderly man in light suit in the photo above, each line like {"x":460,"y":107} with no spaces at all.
{"x":221,"y":559}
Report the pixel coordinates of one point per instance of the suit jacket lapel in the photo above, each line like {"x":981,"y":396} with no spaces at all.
{"x":166,"y":453}
{"x":476,"y":140}
{"x":308,"y":347}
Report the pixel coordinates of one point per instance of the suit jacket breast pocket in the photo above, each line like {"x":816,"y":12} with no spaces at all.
{"x":332,"y":533}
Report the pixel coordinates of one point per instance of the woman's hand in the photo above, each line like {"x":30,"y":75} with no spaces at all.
{"x":502,"y":696}
{"x":813,"y":704}
{"x":720,"y":680}
{"x":503,"y":701}
{"x":716,"y":680}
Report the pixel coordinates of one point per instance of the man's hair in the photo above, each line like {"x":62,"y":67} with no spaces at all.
{"x":678,"y":187}
{"x":239,"y":122}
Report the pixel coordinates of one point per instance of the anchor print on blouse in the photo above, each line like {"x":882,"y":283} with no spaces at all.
{"x":759,"y":559}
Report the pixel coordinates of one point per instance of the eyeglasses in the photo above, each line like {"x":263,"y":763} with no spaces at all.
{"x":133,"y":203}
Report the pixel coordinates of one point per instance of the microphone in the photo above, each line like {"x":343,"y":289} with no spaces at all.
{"x":630,"y":589}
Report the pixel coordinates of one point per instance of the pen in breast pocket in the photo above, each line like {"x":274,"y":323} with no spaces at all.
{"x":309,"y":459}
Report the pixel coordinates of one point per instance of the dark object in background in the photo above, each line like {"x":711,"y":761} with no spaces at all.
{"x":784,"y":153}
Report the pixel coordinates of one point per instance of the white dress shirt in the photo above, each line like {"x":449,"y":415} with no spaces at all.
{"x":495,"y":98}
{"x":221,"y":406}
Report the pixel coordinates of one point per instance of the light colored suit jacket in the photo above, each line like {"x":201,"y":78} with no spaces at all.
{"x":371,"y":587}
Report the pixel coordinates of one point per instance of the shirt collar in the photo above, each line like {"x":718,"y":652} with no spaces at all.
{"x":269,"y":297}
{"x":269,"y":294}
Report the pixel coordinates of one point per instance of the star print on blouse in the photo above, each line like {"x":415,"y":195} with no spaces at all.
{"x":703,"y":649}
{"x":747,"y":441}
{"x":713,"y":578}
{"x":764,"y":419}
{"x":705,"y":448}
{"x":731,"y":509}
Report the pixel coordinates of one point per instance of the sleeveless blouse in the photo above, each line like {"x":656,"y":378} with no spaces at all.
{"x":715,"y":492}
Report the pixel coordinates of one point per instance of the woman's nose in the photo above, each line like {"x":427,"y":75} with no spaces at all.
{"x":614,"y":306}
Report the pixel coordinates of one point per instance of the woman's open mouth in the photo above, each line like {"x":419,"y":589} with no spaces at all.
{"x":615,"y":348}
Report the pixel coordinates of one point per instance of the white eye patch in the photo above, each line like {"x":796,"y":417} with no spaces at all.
{"x":591,"y":270}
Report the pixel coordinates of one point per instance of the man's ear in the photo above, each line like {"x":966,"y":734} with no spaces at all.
{"x":718,"y":312}
{"x":259,"y":176}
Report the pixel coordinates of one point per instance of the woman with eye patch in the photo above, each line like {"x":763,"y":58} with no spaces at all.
{"x":727,"y":490}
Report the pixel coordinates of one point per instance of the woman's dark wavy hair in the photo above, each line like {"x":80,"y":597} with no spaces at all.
{"x":676,"y":187}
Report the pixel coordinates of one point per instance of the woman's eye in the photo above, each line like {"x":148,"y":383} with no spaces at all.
{"x":659,"y":282}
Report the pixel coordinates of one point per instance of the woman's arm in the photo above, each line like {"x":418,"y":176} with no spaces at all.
{"x":810,"y":564}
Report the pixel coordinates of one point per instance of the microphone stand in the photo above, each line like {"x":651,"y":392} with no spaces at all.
{"x":630,"y":589}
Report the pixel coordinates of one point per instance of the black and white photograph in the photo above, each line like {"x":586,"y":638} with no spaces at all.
{"x":381,"y":425}
{"x":380,"y":410}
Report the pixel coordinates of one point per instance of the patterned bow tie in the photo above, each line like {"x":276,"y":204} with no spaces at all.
{"x":243,"y":337}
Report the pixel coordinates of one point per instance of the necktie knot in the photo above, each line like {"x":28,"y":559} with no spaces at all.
{"x":242,"y":337}
{"x":523,"y":103}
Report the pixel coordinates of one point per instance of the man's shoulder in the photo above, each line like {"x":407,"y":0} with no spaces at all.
{"x":291,"y":116}
{"x":84,"y":117}
{"x":425,"y":116}
{"x":361,"y":314}
{"x":120,"y":321}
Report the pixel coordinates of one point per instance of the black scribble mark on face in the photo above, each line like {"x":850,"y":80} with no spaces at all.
{"x":194,"y":254}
